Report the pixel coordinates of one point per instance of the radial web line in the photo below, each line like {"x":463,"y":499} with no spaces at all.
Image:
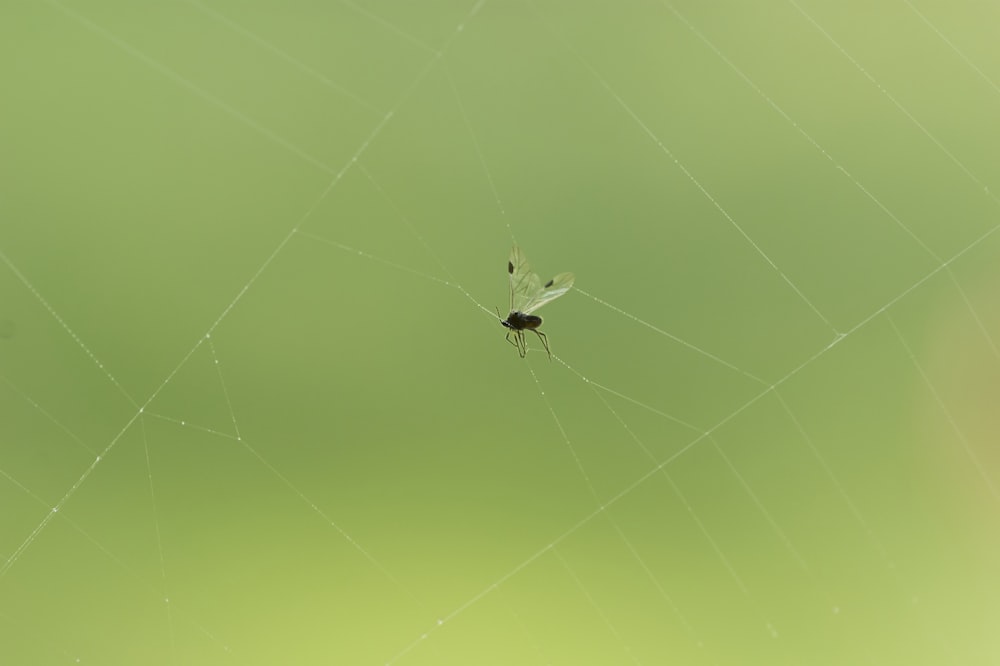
{"x":671,"y":336}
{"x":638,"y":403}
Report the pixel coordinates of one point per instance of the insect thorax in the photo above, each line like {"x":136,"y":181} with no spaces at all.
{"x":520,"y":321}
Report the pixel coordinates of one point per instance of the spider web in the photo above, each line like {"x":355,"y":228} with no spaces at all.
{"x":252,"y":414}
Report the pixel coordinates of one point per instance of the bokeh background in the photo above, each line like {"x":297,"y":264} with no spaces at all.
{"x":255,"y":409}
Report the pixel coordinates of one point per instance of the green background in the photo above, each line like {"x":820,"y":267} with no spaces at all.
{"x":249,"y":254}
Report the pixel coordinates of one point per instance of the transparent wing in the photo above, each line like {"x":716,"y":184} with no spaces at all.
{"x":523,"y":283}
{"x":550,"y":291}
{"x":527,"y":293}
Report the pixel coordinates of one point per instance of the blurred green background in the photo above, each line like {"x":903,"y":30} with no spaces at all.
{"x":248,"y":251}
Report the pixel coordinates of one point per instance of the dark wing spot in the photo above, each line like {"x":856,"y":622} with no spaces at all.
{"x":549,"y":283}
{"x":510,"y":267}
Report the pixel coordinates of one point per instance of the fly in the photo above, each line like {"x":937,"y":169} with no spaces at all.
{"x":527,"y":294}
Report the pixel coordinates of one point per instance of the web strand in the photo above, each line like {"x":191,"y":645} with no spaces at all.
{"x":838,"y":338}
{"x":961,"y":54}
{"x":671,"y":336}
{"x":284,"y":55}
{"x":193,"y":88}
{"x":152,"y":589}
{"x":970,"y":453}
{"x":671,"y":459}
{"x":902,"y":109}
{"x":746,"y":585}
{"x":597,"y":607}
{"x":337,"y":175}
{"x":479,"y":148}
{"x":69,"y":331}
{"x":48,"y":416}
{"x":833,"y":160}
{"x":687,"y":173}
{"x":159,"y":541}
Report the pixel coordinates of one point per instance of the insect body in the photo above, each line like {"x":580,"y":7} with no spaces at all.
{"x":527,"y":294}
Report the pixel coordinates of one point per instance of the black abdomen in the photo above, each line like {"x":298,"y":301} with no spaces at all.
{"x":520,"y":321}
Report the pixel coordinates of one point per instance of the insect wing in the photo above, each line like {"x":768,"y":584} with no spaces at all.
{"x":523,"y":283}
{"x":550,"y":291}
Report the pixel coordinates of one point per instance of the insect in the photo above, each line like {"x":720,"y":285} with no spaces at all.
{"x":527,"y":294}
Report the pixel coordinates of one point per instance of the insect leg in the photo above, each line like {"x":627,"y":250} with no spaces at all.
{"x":545,"y":341}
{"x":507,"y":338}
